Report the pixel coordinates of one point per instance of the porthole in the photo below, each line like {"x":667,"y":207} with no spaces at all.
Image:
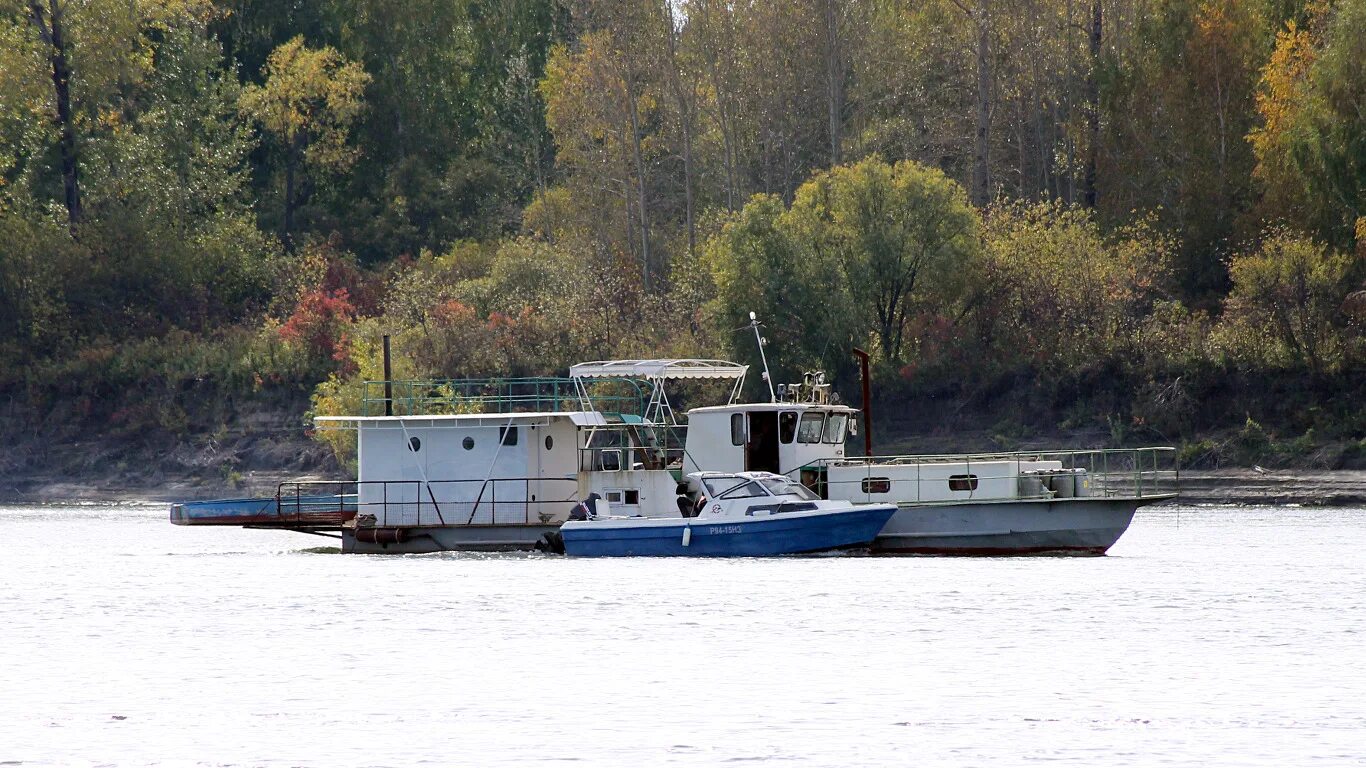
{"x":549,"y":442}
{"x":468,"y":443}
{"x":414,"y":444}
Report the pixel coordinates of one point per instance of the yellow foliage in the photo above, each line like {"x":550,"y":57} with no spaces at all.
{"x":1279,"y":101}
{"x":313,"y":95}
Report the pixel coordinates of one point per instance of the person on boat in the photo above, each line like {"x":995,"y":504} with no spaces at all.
{"x":586,"y":509}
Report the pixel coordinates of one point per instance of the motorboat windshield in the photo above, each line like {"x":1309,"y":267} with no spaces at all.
{"x":740,"y":487}
{"x":785,"y":486}
{"x":732,"y":487}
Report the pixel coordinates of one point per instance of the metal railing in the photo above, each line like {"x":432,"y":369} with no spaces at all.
{"x":418,"y":503}
{"x":1138,"y":473}
{"x":448,"y":396}
{"x":320,"y":503}
{"x":620,"y":459}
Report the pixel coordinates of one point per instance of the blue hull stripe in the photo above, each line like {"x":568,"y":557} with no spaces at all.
{"x":752,"y":537}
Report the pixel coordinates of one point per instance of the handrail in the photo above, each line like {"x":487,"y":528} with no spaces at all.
{"x":1151,"y":472}
{"x":630,"y":458}
{"x":421,"y":397}
{"x":409,"y":508}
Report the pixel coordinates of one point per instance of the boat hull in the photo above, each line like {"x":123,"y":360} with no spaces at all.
{"x":423,"y":539}
{"x":728,"y":537}
{"x":1080,"y":526}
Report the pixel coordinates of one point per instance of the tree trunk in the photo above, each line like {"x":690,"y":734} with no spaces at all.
{"x":982,"y":139}
{"x":685,"y":121}
{"x":834,"y":79}
{"x":1092,"y":109}
{"x":287,"y":228}
{"x":53,"y":33}
{"x":632,"y":109}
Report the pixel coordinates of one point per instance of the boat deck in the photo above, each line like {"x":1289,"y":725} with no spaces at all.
{"x":305,"y":513}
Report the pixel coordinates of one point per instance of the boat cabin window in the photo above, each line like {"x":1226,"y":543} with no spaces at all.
{"x":834,"y":427}
{"x":877,"y":485}
{"x":810,"y":430}
{"x":784,"y":487}
{"x":628,"y":496}
{"x":737,"y":429}
{"x":962,"y":482}
{"x":609,"y":461}
{"x":787,"y":426}
{"x":508,"y":435}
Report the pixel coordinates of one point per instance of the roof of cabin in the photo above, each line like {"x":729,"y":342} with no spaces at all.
{"x":751,"y":407}
{"x":658,"y":369}
{"x":580,"y":418}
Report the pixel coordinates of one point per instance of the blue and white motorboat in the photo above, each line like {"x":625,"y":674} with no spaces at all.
{"x":742,"y":514}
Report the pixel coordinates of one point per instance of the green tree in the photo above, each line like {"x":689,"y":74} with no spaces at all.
{"x":904,"y":236}
{"x":798,"y":291}
{"x":1334,"y":155}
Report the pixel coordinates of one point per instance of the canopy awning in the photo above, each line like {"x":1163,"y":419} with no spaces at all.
{"x":659,"y":369}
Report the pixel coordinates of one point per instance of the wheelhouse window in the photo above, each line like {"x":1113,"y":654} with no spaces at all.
{"x":834,"y":427}
{"x":810,"y":429}
{"x":737,"y":429}
{"x":507,"y":435}
{"x":787,"y":426}
{"x":962,"y":482}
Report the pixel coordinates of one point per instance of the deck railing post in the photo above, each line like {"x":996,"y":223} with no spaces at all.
{"x":1138,"y":474}
{"x":388,"y":380}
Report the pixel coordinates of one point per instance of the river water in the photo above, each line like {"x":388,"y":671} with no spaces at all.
{"x":1208,"y":637}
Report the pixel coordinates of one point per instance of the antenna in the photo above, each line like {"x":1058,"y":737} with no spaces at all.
{"x":754,"y":323}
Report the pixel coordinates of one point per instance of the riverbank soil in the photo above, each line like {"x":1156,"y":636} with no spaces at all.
{"x":229,"y":447}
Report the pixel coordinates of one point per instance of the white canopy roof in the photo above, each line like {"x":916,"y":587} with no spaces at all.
{"x":659,"y":369}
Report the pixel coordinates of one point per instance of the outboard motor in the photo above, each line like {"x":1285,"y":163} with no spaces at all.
{"x":551,"y":542}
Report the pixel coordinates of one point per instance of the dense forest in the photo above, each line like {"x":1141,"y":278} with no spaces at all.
{"x":1141,"y":216}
